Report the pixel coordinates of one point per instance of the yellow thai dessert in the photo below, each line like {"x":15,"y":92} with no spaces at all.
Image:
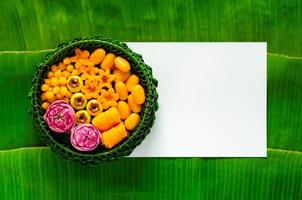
{"x":101,"y":89}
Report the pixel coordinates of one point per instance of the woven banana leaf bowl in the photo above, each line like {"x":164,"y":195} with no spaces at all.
{"x":60,"y":143}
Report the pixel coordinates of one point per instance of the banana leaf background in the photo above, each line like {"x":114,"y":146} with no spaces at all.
{"x":30,"y":29}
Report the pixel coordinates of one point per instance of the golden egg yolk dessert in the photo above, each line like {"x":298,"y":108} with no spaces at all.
{"x":74,"y":83}
{"x":94,"y":107}
{"x":83,"y":117}
{"x":78,"y":101}
{"x":102,"y":90}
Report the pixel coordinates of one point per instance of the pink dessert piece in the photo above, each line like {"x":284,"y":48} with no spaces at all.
{"x":60,"y":117}
{"x":85,"y":137}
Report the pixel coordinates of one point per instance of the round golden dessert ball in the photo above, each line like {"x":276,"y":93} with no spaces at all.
{"x":45,"y":105}
{"x":78,"y":101}
{"x":83,"y":117}
{"x":74,"y":83}
{"x":94,"y":107}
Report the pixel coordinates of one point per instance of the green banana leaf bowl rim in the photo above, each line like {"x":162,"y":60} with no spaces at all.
{"x":59,"y":143}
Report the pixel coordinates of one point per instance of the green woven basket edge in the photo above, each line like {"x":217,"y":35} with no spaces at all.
{"x":126,"y":147}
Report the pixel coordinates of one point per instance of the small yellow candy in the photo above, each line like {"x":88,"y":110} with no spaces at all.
{"x":66,"y":74}
{"x":54,"y":68}
{"x":45,"y":105}
{"x":124,"y":109}
{"x":108,"y":61}
{"x":63,"y":91}
{"x":50,"y":74}
{"x":114,"y":136}
{"x":77,"y":52}
{"x":90,"y":65}
{"x":138,"y":94}
{"x":94,"y":107}
{"x":52,"y":100}
{"x":58,"y":73}
{"x":122,"y":64}
{"x":43,"y":96}
{"x":73,"y":59}
{"x":66,"y":61}
{"x":68,"y":94}
{"x":78,"y":101}
{"x":121,"y":90}
{"x":54,"y":81}
{"x":70,"y":68}
{"x":80,"y":63}
{"x":83,"y":117}
{"x":45,"y":87}
{"x":56,"y":89}
{"x":97,"y":56}
{"x":49,"y":95}
{"x":132,"y":121}
{"x":134,"y":106}
{"x":132,"y":81}
{"x":120,"y":75}
{"x":47,"y":81}
{"x":75,"y":72}
{"x":85,"y":76}
{"x":74,"y":83}
{"x":62,"y":66}
{"x":84,"y":54}
{"x":62,"y":81}
{"x":59,"y":96}
{"x":106,"y":120}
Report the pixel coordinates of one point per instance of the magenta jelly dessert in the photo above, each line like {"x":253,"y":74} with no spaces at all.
{"x":60,"y":117}
{"x":85,"y":137}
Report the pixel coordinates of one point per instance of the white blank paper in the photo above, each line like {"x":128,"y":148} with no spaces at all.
{"x":212,"y":99}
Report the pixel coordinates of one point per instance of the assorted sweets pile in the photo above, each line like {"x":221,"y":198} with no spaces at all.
{"x":94,"y":97}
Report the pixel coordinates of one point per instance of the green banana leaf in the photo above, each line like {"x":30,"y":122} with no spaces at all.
{"x":34,"y":173}
{"x":43,"y":24}
{"x":28,"y":30}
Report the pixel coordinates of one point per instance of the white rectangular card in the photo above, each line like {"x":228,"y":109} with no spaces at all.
{"x":212,"y":99}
